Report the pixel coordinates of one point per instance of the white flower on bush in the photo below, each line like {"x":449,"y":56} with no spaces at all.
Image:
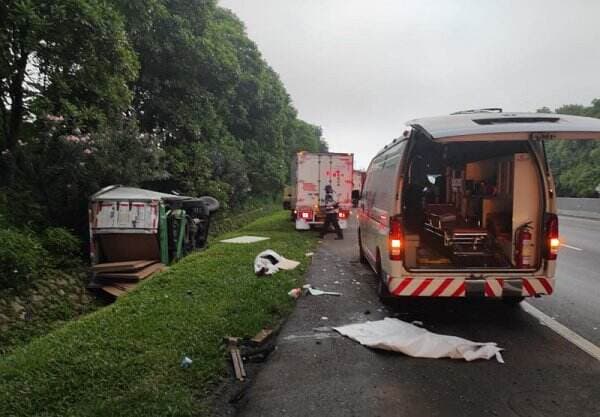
{"x":52,"y":118}
{"x":72,"y":138}
{"x":87,"y":151}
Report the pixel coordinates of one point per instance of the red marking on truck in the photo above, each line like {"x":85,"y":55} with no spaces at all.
{"x":309,"y":186}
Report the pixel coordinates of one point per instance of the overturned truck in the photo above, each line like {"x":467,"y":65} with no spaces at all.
{"x":135,"y":232}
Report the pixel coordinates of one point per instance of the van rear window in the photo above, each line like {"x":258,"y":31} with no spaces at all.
{"x":505,"y":120}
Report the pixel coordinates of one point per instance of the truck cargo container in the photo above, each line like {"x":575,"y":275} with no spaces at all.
{"x":311,"y":172}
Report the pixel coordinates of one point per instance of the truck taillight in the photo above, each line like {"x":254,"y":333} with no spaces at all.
{"x":344,"y":214}
{"x":306,"y":214}
{"x":551,"y":236}
{"x":395,"y":239}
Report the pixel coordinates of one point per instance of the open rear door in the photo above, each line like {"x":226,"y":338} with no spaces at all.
{"x":491,"y":127}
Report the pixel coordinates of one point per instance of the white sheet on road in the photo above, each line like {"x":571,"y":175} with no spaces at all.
{"x":269,"y":262}
{"x":399,"y":336}
{"x":245,"y":239}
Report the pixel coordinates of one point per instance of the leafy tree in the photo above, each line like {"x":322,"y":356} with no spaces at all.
{"x":575,"y":163}
{"x":63,"y":57}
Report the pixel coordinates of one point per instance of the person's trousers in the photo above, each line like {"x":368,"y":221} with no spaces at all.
{"x":331,"y":220}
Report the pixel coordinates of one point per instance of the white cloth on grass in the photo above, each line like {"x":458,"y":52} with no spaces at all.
{"x":269,"y":262}
{"x":399,"y":336}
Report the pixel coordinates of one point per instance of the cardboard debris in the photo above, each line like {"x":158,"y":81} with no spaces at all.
{"x":261,"y":337}
{"x":245,"y":239}
{"x":126,"y":266}
{"x":400,"y":336}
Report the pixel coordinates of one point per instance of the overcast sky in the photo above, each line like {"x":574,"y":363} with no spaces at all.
{"x":361,"y":68}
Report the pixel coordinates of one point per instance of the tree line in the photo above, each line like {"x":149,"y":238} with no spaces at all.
{"x":575,"y":164}
{"x":167,"y":94}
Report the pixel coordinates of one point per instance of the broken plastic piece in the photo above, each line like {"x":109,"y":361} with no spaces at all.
{"x":314,"y":291}
{"x":186,"y":362}
{"x":399,"y":336}
{"x":295,"y":292}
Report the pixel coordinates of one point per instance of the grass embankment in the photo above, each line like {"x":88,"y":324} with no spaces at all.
{"x":124,"y":359}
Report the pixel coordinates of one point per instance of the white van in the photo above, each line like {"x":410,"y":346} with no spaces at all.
{"x":464,"y":206}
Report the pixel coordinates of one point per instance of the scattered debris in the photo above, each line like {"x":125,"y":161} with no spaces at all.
{"x":323,"y":329}
{"x":118,"y":278}
{"x":257,"y":355}
{"x":245,"y":239}
{"x":269,"y":262}
{"x":400,"y":336}
{"x":236,"y":359}
{"x":314,"y":291}
{"x":324,"y":318}
{"x":336,"y":282}
{"x":309,"y":254}
{"x":186,"y":362}
{"x":295,"y":292}
{"x":261,"y":337}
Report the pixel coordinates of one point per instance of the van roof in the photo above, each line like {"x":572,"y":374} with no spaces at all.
{"x":477,"y":123}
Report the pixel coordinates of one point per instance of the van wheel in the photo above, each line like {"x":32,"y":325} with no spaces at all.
{"x":382,"y":289}
{"x":361,"y":252}
{"x":512,"y":301}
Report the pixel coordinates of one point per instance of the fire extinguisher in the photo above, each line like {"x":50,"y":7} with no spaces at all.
{"x":524,"y":246}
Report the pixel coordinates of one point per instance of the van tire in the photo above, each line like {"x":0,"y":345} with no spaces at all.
{"x":512,"y":301}
{"x":361,"y":253}
{"x":383,"y":291}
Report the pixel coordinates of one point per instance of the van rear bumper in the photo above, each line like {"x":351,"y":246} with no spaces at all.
{"x":471,"y":288}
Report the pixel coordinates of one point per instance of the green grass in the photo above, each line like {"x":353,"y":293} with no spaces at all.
{"x":124,"y":359}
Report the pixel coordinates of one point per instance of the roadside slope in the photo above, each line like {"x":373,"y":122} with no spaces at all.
{"x":124,"y":359}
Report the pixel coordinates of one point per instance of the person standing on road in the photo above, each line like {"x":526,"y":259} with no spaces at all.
{"x":331,"y":214}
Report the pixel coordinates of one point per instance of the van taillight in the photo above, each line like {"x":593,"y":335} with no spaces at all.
{"x":344,"y":214}
{"x":551,"y":236}
{"x":395,"y":239}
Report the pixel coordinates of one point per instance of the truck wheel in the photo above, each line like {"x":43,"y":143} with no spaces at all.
{"x":512,"y":301}
{"x":361,"y":252}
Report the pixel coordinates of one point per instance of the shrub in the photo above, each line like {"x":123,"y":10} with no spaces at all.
{"x":64,"y":247}
{"x":22,"y":258}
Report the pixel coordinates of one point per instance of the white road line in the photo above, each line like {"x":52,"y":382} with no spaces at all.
{"x":570,"y":247}
{"x":583,"y":344}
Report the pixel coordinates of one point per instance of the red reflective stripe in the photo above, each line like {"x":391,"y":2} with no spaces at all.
{"x":442,"y":287}
{"x":402,"y":286}
{"x":528,"y":287}
{"x":459,"y":290}
{"x":546,"y":285}
{"x":422,"y":286}
{"x":488,"y":290}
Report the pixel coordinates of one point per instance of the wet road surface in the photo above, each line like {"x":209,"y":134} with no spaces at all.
{"x":317,"y":372}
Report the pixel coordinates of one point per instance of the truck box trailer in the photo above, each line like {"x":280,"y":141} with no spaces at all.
{"x":311,"y":172}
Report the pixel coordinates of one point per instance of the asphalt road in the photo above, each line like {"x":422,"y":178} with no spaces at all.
{"x":317,"y":372}
{"x":576,"y":302}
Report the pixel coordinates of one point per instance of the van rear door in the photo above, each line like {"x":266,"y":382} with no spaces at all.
{"x":508,"y":127}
